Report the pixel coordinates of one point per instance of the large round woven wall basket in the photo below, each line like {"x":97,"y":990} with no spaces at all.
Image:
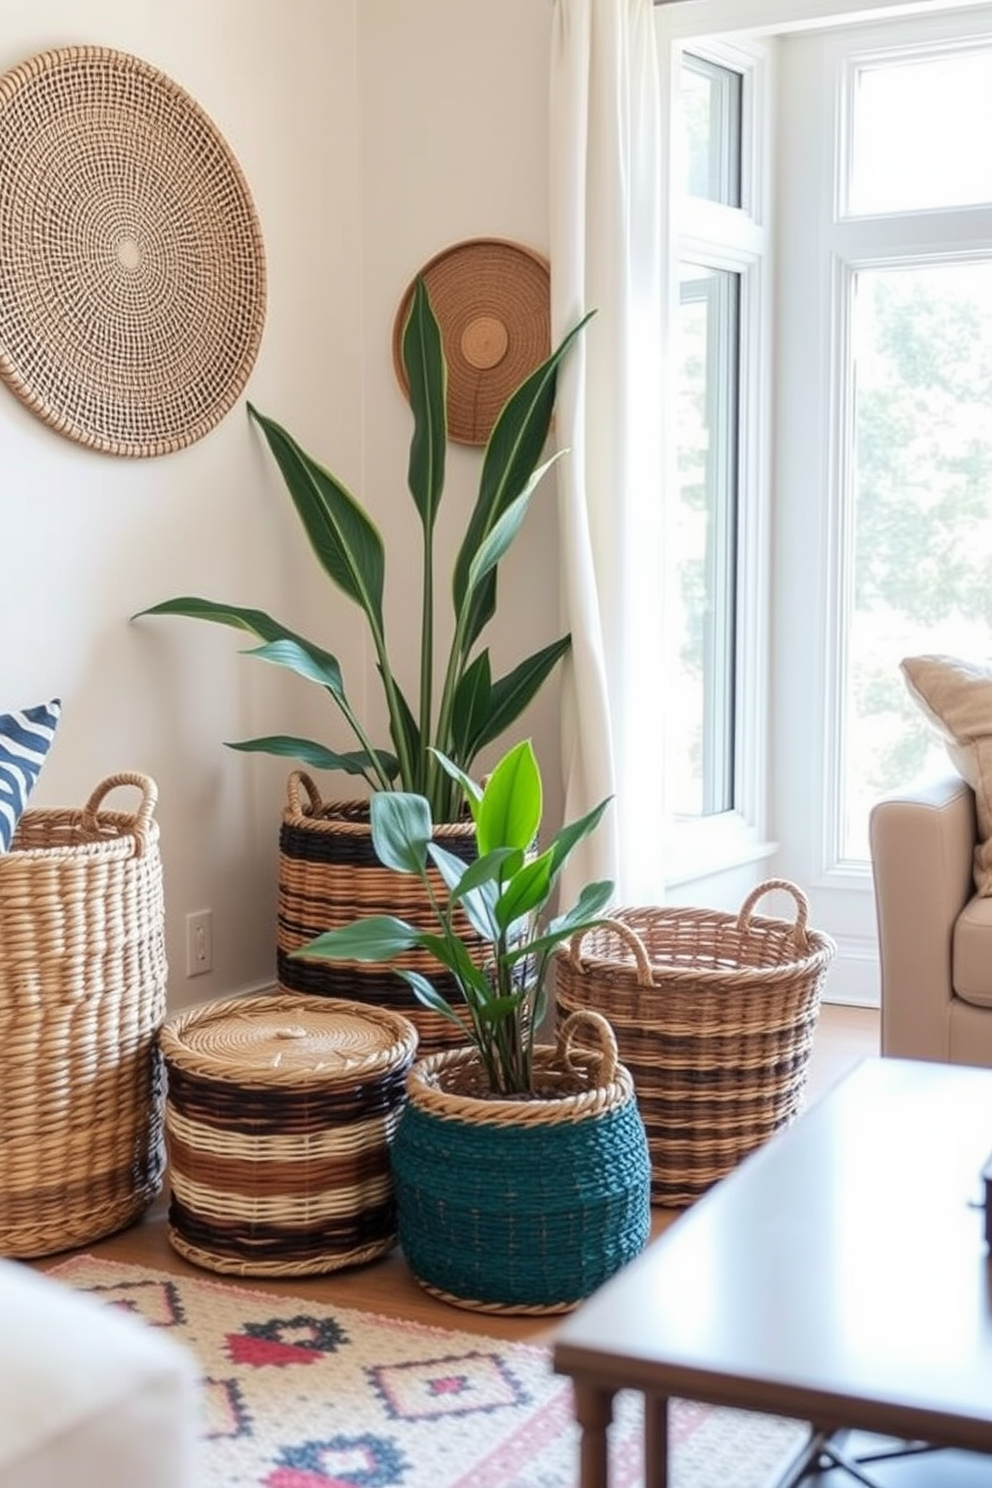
{"x":523,"y":1205}
{"x":133,"y":266}
{"x":329,"y":875}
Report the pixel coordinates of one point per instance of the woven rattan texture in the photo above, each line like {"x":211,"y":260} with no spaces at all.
{"x":523,"y":1206}
{"x":280,"y":1114}
{"x":329,"y":875}
{"x":132,"y":258}
{"x":714,"y":1015}
{"x":82,"y":997}
{"x":492,"y":300}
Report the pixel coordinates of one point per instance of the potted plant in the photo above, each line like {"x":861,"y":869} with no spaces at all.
{"x":521,"y":1170}
{"x":455,"y":710}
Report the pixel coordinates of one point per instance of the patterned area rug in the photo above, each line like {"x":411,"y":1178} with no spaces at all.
{"x":299,"y":1394}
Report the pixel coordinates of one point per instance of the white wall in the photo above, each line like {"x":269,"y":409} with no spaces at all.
{"x":372,"y":133}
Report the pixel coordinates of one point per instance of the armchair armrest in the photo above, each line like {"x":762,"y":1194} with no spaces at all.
{"x":922,"y":840}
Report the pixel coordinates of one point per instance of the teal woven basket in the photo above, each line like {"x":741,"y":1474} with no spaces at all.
{"x":523,"y":1206}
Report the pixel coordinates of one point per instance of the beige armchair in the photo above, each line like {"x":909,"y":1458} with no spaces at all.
{"x":934,"y":932}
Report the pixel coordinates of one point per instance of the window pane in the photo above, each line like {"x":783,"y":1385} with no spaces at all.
{"x":922,"y":572}
{"x":701,"y":547}
{"x":710,"y":131}
{"x":920,"y":133}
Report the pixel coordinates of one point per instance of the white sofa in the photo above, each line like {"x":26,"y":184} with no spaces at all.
{"x":934,"y":931}
{"x":89,"y":1396}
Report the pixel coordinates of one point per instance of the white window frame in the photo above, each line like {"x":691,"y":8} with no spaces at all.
{"x":737,"y":239}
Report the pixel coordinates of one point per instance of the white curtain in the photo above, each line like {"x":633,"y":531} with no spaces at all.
{"x":605,"y":196}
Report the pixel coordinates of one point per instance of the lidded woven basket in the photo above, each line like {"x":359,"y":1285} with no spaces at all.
{"x":714,"y":1015}
{"x":82,"y":997}
{"x":280,"y":1113}
{"x":329,"y":875}
{"x":523,"y":1204}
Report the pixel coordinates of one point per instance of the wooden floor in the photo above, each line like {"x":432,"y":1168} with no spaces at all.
{"x":844,"y":1036}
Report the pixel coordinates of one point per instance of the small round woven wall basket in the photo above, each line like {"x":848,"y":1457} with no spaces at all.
{"x":492,"y":301}
{"x":329,"y":875}
{"x":714,"y":1015}
{"x":523,"y":1205}
{"x":133,"y":267}
{"x":279,"y":1117}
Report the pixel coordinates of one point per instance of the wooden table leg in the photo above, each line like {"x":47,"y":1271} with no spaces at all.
{"x":594,"y":1412}
{"x":655,"y":1441}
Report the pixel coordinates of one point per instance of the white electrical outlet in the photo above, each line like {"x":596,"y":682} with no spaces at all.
{"x":199,"y":942}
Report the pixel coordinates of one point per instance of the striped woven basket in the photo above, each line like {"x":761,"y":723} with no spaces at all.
{"x":280,"y":1113}
{"x":82,"y":997}
{"x":329,"y":875}
{"x":523,"y":1205}
{"x":714,"y":1015}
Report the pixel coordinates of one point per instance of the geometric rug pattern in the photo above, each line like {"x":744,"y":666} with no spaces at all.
{"x":300,"y":1394}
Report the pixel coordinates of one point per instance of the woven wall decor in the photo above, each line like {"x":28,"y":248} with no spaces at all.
{"x":132,"y":269}
{"x":492,"y":299}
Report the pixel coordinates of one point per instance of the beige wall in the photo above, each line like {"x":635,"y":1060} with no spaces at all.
{"x":372,"y":133}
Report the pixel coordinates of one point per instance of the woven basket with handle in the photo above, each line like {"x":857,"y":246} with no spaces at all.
{"x":82,"y":997}
{"x":329,"y":875}
{"x":523,"y":1205}
{"x":714,"y":1015}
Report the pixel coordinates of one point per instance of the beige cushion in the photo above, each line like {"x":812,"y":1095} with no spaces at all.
{"x":972,"y":956}
{"x":956,"y":697}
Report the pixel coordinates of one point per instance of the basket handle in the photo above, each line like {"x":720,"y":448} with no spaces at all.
{"x":142,"y":819}
{"x":799,"y":935}
{"x":301,"y":778}
{"x":630,"y":938}
{"x":593,"y":1029}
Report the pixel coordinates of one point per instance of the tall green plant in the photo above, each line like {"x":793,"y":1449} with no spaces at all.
{"x":465,"y":708}
{"x":503,"y":893}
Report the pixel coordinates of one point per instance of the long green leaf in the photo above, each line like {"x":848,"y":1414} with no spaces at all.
{"x":510,"y":810}
{"x":377,"y":938}
{"x":348,"y":546}
{"x":426,"y":374}
{"x":502,"y":534}
{"x":309,"y":752}
{"x":473,"y":791}
{"x":567,"y":837}
{"x":526,"y":892}
{"x":582,"y":916}
{"x":513,"y":450}
{"x":472,"y":707}
{"x":345,"y":541}
{"x":308,"y":662}
{"x":425,"y":992}
{"x":510,"y":695}
{"x":475,"y":887}
{"x":237,"y":617}
{"x":401,"y":830}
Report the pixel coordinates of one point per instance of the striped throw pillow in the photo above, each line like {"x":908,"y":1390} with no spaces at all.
{"x":25,"y":739}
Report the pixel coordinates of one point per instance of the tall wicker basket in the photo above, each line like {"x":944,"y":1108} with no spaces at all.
{"x":714,"y":1016}
{"x":82,"y":997}
{"x":329,"y":875}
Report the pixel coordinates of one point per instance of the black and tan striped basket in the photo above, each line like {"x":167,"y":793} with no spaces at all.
{"x":329,"y":875}
{"x":82,"y":998}
{"x":714,"y":1015}
{"x":280,"y":1114}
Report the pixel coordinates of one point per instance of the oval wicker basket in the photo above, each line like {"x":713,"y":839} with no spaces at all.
{"x":82,"y":997}
{"x":523,"y":1205}
{"x":280,"y":1112}
{"x":329,"y":875}
{"x":714,"y":1015}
